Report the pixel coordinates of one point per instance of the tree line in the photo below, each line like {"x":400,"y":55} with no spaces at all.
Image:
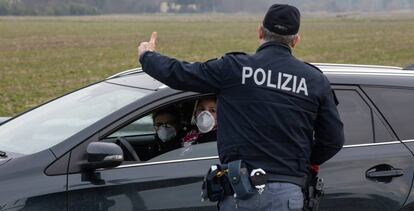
{"x":95,"y":7}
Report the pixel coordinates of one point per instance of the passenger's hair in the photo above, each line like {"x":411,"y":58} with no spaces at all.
{"x":213,"y":98}
{"x":271,"y":36}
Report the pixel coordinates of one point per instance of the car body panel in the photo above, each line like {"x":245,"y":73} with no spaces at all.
{"x":348,"y":188}
{"x":409,"y":204}
{"x":158,"y":186}
{"x":24,"y":185}
{"x":4,"y":160}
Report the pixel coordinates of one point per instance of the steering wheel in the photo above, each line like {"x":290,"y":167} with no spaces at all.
{"x":129,"y":151}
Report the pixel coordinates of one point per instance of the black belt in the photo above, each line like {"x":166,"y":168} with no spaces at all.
{"x":268,"y":178}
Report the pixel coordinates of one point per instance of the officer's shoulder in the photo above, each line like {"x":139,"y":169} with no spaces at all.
{"x":229,"y":54}
{"x":235,"y":56}
{"x":313,"y":66}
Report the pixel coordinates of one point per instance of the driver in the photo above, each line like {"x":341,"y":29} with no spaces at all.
{"x":168,"y":128}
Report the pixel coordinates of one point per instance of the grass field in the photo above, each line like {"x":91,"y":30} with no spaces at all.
{"x":41,"y":58}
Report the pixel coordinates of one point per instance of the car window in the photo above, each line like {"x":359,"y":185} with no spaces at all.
{"x":60,"y":119}
{"x":397,"y":107}
{"x":381,"y":132}
{"x":361,"y":124}
{"x":356,"y":116}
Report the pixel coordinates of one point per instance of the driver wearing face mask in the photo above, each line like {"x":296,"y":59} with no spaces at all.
{"x":205,"y":119}
{"x":167,"y":125}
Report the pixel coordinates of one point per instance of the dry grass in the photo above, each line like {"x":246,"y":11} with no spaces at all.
{"x":41,"y":58}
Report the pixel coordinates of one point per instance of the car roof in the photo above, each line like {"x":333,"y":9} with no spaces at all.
{"x":337,"y":74}
{"x":368,"y":75}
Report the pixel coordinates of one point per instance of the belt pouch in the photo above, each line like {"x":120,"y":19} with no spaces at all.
{"x":239,"y":179}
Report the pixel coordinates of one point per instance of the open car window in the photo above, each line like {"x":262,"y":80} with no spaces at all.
{"x":141,"y":134}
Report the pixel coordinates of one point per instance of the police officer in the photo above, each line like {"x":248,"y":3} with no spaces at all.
{"x":274,"y":112}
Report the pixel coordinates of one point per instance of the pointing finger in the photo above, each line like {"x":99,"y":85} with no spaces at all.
{"x":153,"y":38}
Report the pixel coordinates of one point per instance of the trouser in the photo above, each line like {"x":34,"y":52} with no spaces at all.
{"x":277,"y":196}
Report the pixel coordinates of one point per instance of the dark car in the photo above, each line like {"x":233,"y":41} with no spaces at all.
{"x":95,"y":148}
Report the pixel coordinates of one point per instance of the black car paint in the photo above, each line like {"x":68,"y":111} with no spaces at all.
{"x":347,"y":188}
{"x":52,"y":179}
{"x":24,"y":184}
{"x":4,"y":160}
{"x":142,"y":188}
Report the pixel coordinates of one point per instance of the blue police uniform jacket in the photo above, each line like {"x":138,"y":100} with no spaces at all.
{"x":273,"y":111}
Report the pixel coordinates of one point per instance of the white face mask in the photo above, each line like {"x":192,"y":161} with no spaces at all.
{"x":205,"y":122}
{"x":166,"y":133}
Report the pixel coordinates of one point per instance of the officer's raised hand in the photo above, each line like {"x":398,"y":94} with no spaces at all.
{"x":147,"y":46}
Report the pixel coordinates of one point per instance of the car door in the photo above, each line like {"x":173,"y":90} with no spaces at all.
{"x":396,"y":104}
{"x":374,"y":170}
{"x":170,"y":184}
{"x":170,"y":181}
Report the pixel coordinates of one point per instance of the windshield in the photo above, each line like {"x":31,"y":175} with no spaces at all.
{"x":56,"y":121}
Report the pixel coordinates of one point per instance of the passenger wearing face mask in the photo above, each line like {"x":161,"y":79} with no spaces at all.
{"x":205,"y":121}
{"x":167,"y":125}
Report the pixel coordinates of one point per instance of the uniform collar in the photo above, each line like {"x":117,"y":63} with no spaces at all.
{"x":275,"y":45}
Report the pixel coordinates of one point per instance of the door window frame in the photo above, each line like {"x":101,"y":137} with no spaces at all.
{"x":374,"y":111}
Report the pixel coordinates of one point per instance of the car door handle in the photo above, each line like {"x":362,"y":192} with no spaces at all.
{"x":383,"y":170}
{"x":387,"y":173}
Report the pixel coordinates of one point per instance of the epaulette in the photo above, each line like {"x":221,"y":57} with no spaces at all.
{"x":313,"y":66}
{"x":236,"y":53}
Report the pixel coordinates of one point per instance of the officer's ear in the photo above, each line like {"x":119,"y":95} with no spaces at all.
{"x":295,"y":40}
{"x":261,"y":32}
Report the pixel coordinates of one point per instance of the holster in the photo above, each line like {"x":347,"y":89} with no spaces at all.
{"x":313,"y":192}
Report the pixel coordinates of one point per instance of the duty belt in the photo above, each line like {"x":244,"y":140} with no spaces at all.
{"x":234,"y":179}
{"x":301,"y":181}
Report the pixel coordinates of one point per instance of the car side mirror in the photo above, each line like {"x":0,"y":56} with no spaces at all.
{"x":103,"y":155}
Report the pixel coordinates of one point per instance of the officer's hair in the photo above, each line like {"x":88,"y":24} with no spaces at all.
{"x":271,"y":36}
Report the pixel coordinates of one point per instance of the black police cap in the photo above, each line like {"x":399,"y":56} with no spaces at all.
{"x":282,"y":19}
